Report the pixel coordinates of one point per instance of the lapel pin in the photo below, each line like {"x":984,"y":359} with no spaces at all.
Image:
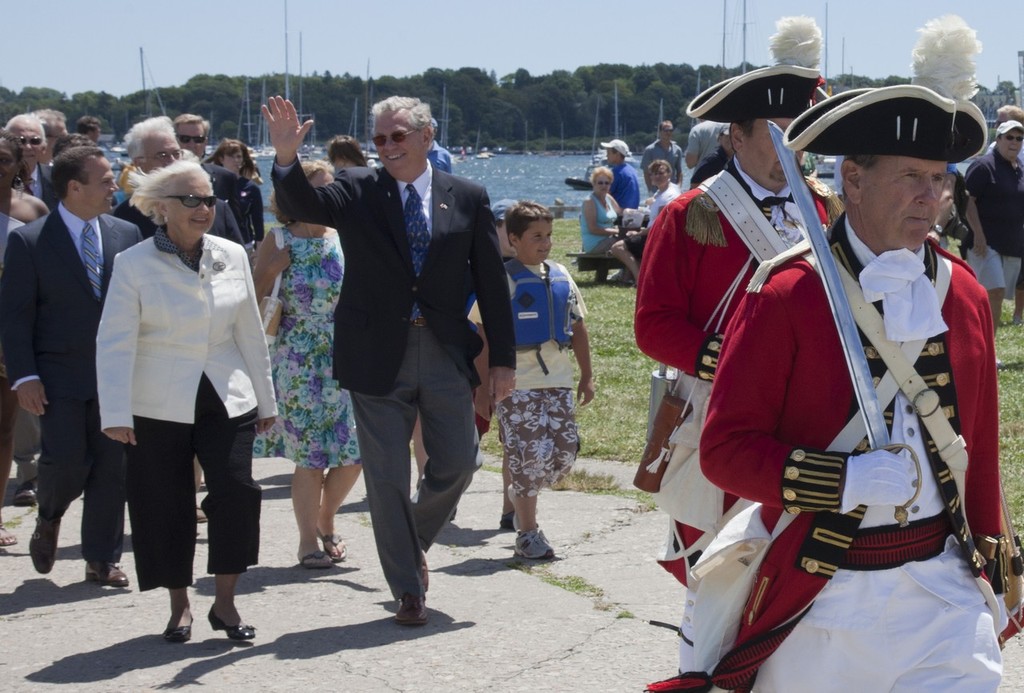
{"x":444,"y":205}
{"x":218,"y":266}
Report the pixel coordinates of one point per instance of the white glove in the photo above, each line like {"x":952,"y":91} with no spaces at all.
{"x":878,"y":477}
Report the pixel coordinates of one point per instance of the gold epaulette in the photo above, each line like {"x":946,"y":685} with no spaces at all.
{"x":833,"y":205}
{"x":702,"y":222}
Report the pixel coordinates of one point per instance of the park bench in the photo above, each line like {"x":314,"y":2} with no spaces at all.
{"x":598,"y":263}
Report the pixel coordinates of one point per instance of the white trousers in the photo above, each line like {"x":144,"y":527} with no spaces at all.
{"x":921,"y":627}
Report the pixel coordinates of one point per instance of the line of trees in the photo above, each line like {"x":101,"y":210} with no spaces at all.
{"x":518,"y":111}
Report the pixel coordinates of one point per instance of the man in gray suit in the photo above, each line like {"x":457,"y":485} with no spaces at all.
{"x":56,"y":272}
{"x":414,"y":239}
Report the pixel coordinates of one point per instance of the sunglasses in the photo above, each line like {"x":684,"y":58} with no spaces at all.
{"x":1014,"y":138}
{"x":198,"y":139}
{"x":31,"y":140}
{"x":191,"y":201}
{"x":396,"y":137}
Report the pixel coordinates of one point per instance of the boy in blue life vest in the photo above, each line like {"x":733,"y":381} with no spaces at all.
{"x":537,"y":421}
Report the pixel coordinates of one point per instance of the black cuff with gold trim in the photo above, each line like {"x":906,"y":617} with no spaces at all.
{"x":707,"y":357}
{"x":812,"y":480}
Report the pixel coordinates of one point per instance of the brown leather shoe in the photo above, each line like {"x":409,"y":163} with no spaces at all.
{"x":412,"y":611}
{"x":43,"y":545}
{"x":107,"y":574}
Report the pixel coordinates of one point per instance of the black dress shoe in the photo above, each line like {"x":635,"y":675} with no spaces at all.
{"x":179,"y":634}
{"x":412,"y":611}
{"x":43,"y":545}
{"x":107,"y":574}
{"x":25,"y":494}
{"x":238,"y":632}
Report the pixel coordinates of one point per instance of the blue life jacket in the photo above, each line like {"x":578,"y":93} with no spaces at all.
{"x":542,"y":307}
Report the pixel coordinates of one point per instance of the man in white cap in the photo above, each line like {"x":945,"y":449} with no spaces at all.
{"x":625,"y":183}
{"x":701,"y":252}
{"x":854,"y":594}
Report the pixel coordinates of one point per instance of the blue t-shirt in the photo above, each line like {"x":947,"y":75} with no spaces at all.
{"x":625,"y":186}
{"x":998,"y":190}
{"x":440,"y":158}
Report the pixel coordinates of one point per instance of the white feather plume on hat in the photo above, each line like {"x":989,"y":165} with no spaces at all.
{"x":797,"y":42}
{"x":944,"y":58}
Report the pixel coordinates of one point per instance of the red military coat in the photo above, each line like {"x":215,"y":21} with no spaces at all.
{"x":683,"y":279}
{"x":782,"y":384}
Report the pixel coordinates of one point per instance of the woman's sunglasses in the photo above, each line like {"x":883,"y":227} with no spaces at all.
{"x":191,"y":201}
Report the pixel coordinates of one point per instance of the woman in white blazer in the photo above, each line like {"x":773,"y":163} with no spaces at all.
{"x":184,"y":373}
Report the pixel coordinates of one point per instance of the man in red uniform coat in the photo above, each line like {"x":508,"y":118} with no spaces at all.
{"x":705,"y":245}
{"x":846,"y":598}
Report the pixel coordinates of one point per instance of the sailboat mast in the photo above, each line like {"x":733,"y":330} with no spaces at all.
{"x":287,"y":83}
{"x":142,"y":66}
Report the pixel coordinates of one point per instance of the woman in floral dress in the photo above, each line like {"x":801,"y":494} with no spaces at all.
{"x":316,"y":426}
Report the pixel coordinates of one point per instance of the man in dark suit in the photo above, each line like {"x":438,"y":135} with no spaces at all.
{"x":152,"y":145}
{"x":33,"y":151}
{"x":56,"y":272}
{"x":412,"y":235}
{"x":193,"y":133}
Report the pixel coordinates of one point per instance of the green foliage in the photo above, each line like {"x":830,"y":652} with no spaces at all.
{"x":1010,"y":348}
{"x":519,"y":110}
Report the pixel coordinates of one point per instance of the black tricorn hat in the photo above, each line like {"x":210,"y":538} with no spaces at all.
{"x":779,"y":91}
{"x":905,"y":120}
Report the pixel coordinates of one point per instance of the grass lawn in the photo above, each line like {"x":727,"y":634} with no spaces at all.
{"x":612,"y":427}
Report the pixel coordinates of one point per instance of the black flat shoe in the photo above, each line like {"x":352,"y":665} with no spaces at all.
{"x":238,"y":632}
{"x":179,"y":634}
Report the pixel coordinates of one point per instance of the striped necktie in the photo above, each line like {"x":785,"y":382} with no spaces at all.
{"x":92,"y":260}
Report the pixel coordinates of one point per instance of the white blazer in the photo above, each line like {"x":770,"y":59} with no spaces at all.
{"x":164,"y":325}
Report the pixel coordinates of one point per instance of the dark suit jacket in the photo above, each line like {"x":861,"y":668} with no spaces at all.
{"x":48,"y":313}
{"x":49,"y":194}
{"x":372,"y":319}
{"x":225,"y":187}
{"x":224,"y":224}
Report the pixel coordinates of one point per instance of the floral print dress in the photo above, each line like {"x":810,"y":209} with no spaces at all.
{"x":316,"y":425}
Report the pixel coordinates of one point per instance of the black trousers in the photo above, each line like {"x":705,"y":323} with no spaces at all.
{"x":161,"y":493}
{"x":78,"y":459}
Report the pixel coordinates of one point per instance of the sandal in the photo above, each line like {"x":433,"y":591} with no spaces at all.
{"x":334,"y":543}
{"x":316,"y":560}
{"x":6,"y":538}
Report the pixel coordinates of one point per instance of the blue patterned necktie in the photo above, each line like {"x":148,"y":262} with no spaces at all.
{"x":92,"y":260}
{"x":416,"y":228}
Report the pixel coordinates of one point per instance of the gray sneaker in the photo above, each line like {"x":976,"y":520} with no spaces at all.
{"x":533,"y":544}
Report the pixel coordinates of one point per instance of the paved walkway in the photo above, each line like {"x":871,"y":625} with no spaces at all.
{"x":579,"y":623}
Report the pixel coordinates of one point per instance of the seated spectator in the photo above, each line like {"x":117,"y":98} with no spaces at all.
{"x":600,"y":210}
{"x":630,"y":250}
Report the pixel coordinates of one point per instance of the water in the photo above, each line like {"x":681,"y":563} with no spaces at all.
{"x":514,"y":176}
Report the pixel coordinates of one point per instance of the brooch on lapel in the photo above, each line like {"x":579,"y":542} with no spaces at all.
{"x":218,"y":266}
{"x":443,"y":205}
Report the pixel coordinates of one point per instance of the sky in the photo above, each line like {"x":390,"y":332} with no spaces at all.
{"x":75,"y":47}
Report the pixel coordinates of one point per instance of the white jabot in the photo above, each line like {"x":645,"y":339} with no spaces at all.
{"x":909,"y":302}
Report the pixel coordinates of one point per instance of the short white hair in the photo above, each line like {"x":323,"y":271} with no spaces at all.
{"x":27,"y":119}
{"x":419,"y":111}
{"x":135,"y":138}
{"x":156,"y":186}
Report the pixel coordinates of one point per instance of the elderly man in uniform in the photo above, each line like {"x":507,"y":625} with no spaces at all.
{"x":705,"y":245}
{"x":879,"y":581}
